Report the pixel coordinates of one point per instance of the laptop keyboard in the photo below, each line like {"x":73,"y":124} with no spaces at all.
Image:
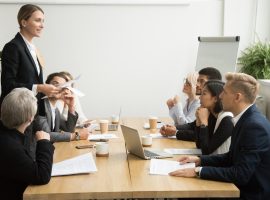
{"x":150,"y":154}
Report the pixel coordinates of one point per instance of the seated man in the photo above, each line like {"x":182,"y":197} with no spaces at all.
{"x":60,"y":129}
{"x":18,"y":169}
{"x":186,"y":131}
{"x":248,"y":161}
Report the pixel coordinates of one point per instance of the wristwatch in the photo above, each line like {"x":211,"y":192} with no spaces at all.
{"x":197,"y":171}
{"x":77,"y":136}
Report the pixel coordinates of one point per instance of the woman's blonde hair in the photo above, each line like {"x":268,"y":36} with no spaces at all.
{"x":245,"y":84}
{"x":192,"y":79}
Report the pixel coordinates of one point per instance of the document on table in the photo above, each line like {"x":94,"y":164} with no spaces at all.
{"x":102,"y":136}
{"x":78,"y":165}
{"x":159,"y":136}
{"x":164,"y":167}
{"x":184,"y":151}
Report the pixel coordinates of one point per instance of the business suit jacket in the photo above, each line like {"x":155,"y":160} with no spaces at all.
{"x":248,"y":161}
{"x":19,"y":69}
{"x":18,"y":169}
{"x":62,"y":128}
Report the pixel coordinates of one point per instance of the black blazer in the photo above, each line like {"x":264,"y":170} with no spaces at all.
{"x":18,"y":169}
{"x":18,"y":68}
{"x":248,"y":161}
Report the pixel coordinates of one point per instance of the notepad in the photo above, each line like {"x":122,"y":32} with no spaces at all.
{"x":78,"y":165}
{"x":164,"y":167}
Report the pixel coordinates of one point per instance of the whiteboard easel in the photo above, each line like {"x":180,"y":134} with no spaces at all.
{"x":218,"y":52}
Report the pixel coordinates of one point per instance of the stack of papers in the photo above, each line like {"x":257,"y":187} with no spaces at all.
{"x":184,"y":151}
{"x":78,"y":165}
{"x":164,"y":167}
{"x":103,"y":136}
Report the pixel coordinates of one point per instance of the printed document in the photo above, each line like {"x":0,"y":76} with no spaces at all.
{"x":164,"y":167}
{"x":78,"y":165}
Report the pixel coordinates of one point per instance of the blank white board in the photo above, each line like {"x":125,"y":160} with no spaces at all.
{"x":218,"y":52}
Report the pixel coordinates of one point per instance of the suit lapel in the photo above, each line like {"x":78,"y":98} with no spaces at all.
{"x":48,"y":111}
{"x":237,"y":129}
{"x":19,"y":37}
{"x":57,"y":120}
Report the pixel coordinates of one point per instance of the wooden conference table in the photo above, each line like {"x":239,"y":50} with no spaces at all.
{"x":125,"y":176}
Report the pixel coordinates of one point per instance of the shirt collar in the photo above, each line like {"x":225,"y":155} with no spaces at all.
{"x":29,"y":45}
{"x":237,"y":117}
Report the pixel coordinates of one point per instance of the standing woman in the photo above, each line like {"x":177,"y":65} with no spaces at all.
{"x":21,"y":64}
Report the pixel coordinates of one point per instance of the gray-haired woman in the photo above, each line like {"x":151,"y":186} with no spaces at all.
{"x":18,"y":169}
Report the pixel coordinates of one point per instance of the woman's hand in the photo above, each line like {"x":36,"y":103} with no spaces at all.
{"x":48,"y":89}
{"x":203,"y":114}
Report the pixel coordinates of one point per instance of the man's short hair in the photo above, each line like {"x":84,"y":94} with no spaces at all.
{"x":245,"y":84}
{"x":211,"y":73}
{"x":18,"y":107}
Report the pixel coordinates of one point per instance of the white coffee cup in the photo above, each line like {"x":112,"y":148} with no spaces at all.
{"x":146,"y":140}
{"x":102,"y":149}
{"x":153,"y":122}
{"x":115,"y":119}
{"x":104,"y":125}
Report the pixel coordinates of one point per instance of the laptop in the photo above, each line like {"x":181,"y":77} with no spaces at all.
{"x":134,"y":145}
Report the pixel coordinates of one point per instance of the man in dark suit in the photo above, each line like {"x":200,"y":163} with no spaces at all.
{"x":248,"y":161}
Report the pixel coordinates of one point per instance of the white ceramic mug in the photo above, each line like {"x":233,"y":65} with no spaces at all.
{"x":102,"y":149}
{"x":104,"y":125}
{"x":146,"y":140}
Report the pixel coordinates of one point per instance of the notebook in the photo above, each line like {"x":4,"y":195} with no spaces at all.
{"x":134,"y":145}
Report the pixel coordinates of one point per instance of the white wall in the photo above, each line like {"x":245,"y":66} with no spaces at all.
{"x":134,"y":56}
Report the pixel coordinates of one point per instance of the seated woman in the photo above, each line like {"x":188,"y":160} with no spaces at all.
{"x":185,"y":115}
{"x":213,"y":128}
{"x":18,"y":169}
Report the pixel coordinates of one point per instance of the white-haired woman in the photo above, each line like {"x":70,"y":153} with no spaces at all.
{"x":18,"y":169}
{"x":182,"y":115}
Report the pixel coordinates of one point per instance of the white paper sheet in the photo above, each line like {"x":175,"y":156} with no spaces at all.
{"x":184,"y":151}
{"x":164,"y":167}
{"x":78,"y":165}
{"x":159,"y":136}
{"x":102,"y":136}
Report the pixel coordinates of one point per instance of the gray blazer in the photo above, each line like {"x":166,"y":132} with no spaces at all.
{"x":62,"y":129}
